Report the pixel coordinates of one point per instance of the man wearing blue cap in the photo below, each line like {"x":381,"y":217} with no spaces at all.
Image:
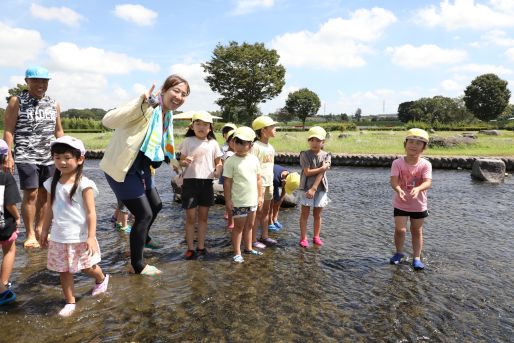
{"x":31,"y":121}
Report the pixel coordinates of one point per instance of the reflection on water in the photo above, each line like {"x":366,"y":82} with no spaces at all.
{"x":343,"y":291}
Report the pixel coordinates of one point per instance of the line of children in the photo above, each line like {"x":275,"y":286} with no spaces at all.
{"x":201,"y":155}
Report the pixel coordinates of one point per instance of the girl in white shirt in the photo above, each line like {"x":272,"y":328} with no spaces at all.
{"x":201,"y":155}
{"x":73,"y":246}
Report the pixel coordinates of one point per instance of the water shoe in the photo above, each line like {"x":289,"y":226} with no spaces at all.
{"x":67,"y":310}
{"x":418,"y":265}
{"x":317,"y":241}
{"x":277,"y":224}
{"x":397,"y":258}
{"x":273,"y":228}
{"x":101,"y":287}
{"x":258,"y":245}
{"x":153,"y":245}
{"x":190,"y":254}
{"x":268,"y":241}
{"x":150,"y":271}
{"x":253,"y":252}
{"x":238,"y":259}
{"x":304,"y":243}
{"x":7,"y":297}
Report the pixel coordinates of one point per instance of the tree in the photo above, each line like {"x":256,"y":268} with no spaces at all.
{"x":244,"y":75}
{"x":358,"y":114}
{"x":344,"y":117}
{"x":405,"y":113}
{"x":487,"y":96}
{"x":303,"y":103}
{"x":15,"y":91}
{"x":284,"y":115}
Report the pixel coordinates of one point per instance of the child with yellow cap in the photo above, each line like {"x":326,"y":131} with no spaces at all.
{"x":314,"y":162}
{"x":284,"y":182}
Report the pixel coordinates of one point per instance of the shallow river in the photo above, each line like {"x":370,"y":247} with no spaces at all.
{"x":344,"y":291}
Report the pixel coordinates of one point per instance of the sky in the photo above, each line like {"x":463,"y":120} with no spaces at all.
{"x":365,"y":54}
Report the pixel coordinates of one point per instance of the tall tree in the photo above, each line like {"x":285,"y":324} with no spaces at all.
{"x":358,"y":114}
{"x":487,"y":96}
{"x":15,"y":91}
{"x":244,"y":75}
{"x":303,"y":103}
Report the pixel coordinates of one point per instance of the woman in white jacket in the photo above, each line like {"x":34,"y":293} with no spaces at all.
{"x":143,"y":137}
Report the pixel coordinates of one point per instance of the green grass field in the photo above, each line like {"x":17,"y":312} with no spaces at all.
{"x":367,"y":142}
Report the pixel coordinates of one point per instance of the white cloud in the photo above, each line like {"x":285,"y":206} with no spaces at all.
{"x":375,"y":101}
{"x":68,"y":56}
{"x":498,"y":37}
{"x":451,"y":86}
{"x":247,"y":6}
{"x":479,"y":69}
{"x":201,"y":97}
{"x":424,"y":56}
{"x":339,"y":43}
{"x":510,"y":54}
{"x":136,"y":14}
{"x":18,"y":46}
{"x":462,"y":14}
{"x":65,"y":15}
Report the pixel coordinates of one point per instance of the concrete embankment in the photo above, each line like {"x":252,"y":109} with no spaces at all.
{"x":456,"y":162}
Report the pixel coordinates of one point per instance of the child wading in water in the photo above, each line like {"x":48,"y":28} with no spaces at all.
{"x":9,"y":222}
{"x":314,"y":162}
{"x":73,"y":246}
{"x":265,"y":129}
{"x":201,"y":155}
{"x":243,"y":191}
{"x":411,"y":176}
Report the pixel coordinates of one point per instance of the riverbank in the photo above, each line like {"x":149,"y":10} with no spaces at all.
{"x":370,"y":160}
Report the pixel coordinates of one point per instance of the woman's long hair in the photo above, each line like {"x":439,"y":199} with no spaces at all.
{"x":61,"y":148}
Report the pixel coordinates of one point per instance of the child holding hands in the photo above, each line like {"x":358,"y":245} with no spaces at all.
{"x":71,"y":213}
{"x":313,"y":181}
{"x":411,"y":177}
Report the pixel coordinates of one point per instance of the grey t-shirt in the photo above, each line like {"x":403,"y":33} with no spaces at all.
{"x":309,"y":159}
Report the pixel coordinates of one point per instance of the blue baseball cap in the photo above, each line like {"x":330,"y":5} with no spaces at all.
{"x":37,"y":72}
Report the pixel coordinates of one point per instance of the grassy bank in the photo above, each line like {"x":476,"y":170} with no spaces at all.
{"x":367,"y":142}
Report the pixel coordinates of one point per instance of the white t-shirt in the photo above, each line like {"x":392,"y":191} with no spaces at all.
{"x":69,"y":224}
{"x":204,"y":152}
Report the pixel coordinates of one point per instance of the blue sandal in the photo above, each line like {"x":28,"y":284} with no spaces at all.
{"x":7,"y":297}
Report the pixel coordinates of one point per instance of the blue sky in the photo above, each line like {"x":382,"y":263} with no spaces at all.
{"x":363,"y":54}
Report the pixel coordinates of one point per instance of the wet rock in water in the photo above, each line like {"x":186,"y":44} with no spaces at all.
{"x":488,"y":169}
{"x":490,"y":132}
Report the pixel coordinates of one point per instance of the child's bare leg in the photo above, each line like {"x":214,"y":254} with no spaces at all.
{"x":237,"y":235}
{"x":7,"y":263}
{"x":249,"y":222}
{"x":316,"y":213}
{"x":416,"y":229}
{"x":263,"y":218}
{"x":190,"y":227}
{"x":95,"y":272}
{"x":400,"y":228}
{"x":67,"y":287}
{"x":203,"y":213}
{"x":304,"y":217}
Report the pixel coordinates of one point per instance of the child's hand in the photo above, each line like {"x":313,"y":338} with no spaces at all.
{"x":414,"y":192}
{"x":401,"y":194}
{"x":18,"y":222}
{"x":260,"y":201}
{"x":43,"y":238}
{"x":310,"y":193}
{"x":188,"y":160}
{"x":91,"y":245}
{"x":217,"y":171}
{"x":326,"y":165}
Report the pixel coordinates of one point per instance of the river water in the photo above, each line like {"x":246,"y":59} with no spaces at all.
{"x":344,"y":291}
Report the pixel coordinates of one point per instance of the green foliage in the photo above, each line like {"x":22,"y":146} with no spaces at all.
{"x":358,"y":114}
{"x":87,"y":113}
{"x":16,"y":91}
{"x":487,"y":96}
{"x":436,"y":109}
{"x":244,"y":75}
{"x":284,"y":115}
{"x":81,"y":124}
{"x":303,"y":103}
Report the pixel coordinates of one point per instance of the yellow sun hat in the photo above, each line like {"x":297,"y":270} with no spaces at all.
{"x":317,"y":132}
{"x":292,"y":182}
{"x":203,"y":116}
{"x":417,"y":134}
{"x":230,"y":133}
{"x":244,"y":133}
{"x":232,"y":125}
{"x":262,"y":121}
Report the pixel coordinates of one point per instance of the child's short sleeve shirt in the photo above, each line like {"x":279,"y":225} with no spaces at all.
{"x":309,"y":159}
{"x":243,"y":171}
{"x":69,"y":224}
{"x":204,"y":153}
{"x":410,"y":176}
{"x":11,"y":197}
{"x":265,"y":152}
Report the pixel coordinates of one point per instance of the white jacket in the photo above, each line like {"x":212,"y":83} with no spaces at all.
{"x":131,"y":122}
